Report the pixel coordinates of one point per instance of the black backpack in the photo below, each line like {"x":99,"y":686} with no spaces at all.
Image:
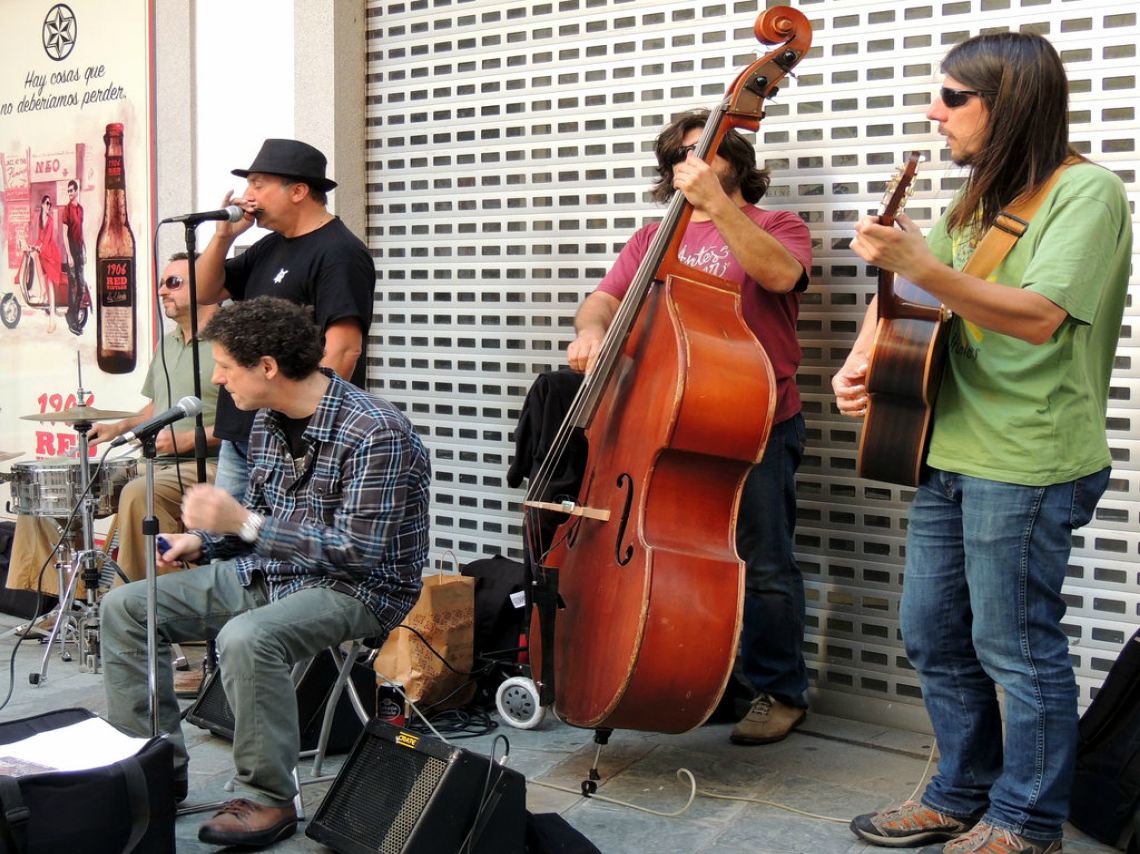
{"x":1106,"y":791}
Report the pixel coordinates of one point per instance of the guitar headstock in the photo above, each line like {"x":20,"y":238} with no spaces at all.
{"x":899,"y":188}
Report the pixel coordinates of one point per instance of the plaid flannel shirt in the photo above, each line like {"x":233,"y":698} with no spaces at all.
{"x":353,"y":515}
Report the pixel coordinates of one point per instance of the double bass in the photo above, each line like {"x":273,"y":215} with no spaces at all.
{"x":642,"y":564}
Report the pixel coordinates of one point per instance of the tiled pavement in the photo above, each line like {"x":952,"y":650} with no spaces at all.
{"x":831,"y":769}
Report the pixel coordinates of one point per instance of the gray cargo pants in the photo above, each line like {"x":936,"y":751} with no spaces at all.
{"x":258,"y":643}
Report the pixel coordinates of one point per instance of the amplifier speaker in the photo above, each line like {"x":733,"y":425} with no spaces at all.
{"x":402,"y":793}
{"x":211,"y":710}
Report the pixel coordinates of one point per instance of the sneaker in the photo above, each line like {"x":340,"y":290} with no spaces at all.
{"x":768,"y":720}
{"x":987,"y":839}
{"x":909,"y":824}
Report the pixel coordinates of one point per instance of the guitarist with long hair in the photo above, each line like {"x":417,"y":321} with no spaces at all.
{"x":1018,"y":455}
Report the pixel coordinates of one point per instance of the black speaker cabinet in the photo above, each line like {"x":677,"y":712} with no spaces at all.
{"x":402,"y":793}
{"x":211,"y":710}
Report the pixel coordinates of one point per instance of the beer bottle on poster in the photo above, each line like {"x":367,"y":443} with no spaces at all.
{"x":115,"y":267}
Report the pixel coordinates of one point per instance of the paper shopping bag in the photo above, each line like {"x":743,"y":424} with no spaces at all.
{"x":438,"y":629}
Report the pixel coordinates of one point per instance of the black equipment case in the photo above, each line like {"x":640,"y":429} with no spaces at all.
{"x":123,"y":808}
{"x":1106,"y":791}
{"x":212,"y":711}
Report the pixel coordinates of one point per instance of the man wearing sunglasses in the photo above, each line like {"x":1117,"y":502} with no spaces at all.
{"x":1018,"y":455}
{"x":769,"y":254}
{"x":169,"y":379}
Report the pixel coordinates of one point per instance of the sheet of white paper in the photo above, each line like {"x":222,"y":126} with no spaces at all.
{"x":88,"y":744}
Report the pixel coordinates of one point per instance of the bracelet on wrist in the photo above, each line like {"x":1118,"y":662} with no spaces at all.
{"x":251,"y":527}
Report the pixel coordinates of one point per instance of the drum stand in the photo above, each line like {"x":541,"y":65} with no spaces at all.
{"x":85,"y":565}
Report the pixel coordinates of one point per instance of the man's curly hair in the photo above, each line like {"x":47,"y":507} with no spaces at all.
{"x":268,"y":326}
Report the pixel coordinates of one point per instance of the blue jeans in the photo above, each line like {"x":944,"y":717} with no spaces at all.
{"x":981,"y":607}
{"x":771,"y":642}
{"x":233,"y":468}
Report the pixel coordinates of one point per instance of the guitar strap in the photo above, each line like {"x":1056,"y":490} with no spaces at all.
{"x":1008,"y":227}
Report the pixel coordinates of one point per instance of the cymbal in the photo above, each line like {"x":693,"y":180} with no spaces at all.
{"x":78,"y":413}
{"x":9,"y":455}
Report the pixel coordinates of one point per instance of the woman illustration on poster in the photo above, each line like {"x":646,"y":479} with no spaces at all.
{"x":44,"y":254}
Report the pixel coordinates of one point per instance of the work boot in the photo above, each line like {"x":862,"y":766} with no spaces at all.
{"x":767,"y":721}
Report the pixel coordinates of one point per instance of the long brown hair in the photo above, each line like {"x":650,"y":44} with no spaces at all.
{"x":734,"y":148}
{"x":1022,"y":83}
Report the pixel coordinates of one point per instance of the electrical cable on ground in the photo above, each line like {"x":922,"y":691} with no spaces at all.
{"x":685,"y":774}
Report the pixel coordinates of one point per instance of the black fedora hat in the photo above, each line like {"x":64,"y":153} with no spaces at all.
{"x":290,"y":158}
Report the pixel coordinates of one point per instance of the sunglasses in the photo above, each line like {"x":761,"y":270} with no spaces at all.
{"x":681,"y":153}
{"x":171,"y":283}
{"x":954,"y":98}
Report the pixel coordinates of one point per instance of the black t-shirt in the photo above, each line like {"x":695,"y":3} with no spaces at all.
{"x":294,"y":429}
{"x":329,"y":269}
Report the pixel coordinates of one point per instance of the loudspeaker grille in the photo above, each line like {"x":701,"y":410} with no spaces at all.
{"x":382,"y":794}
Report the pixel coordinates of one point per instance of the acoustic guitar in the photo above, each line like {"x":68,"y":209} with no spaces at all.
{"x":905,"y":368}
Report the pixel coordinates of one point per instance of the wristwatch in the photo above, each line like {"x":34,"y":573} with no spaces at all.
{"x":251,"y":527}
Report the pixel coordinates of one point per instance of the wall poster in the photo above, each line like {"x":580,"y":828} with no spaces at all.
{"x":76,"y":212}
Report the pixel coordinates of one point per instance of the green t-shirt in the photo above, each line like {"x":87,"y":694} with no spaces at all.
{"x":1030,"y":414}
{"x":173,"y":356}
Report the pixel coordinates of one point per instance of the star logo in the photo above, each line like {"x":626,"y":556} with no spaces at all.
{"x":59,"y":31}
{"x":281,"y":274}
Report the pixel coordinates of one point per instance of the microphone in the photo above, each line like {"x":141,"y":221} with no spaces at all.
{"x":188,"y":406}
{"x":231,"y":213}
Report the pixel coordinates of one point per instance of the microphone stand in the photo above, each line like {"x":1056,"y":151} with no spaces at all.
{"x":190,"y":228}
{"x":150,"y":533}
{"x":199,"y":429}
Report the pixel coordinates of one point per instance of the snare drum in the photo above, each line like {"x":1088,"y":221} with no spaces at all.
{"x":51,"y":488}
{"x":112,"y":478}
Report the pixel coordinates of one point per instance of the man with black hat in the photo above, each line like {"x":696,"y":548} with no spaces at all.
{"x":310,"y":258}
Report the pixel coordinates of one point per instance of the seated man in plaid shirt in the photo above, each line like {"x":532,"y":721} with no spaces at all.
{"x":327,"y":546}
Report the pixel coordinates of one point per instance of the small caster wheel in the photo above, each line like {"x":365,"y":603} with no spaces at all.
{"x":517,"y":702}
{"x":34,"y":678}
{"x":65,"y":657}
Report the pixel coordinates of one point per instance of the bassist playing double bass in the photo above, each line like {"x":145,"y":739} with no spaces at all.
{"x":1018,"y":456}
{"x":769,"y":254}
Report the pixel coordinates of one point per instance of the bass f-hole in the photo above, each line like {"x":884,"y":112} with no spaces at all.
{"x":624,"y":482}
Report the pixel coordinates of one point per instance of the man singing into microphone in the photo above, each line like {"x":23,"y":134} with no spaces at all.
{"x":328,"y":546}
{"x":311,"y":258}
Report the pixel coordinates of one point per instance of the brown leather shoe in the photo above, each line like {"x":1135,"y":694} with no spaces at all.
{"x":249,"y":824}
{"x":767,"y":721}
{"x":187,"y":683}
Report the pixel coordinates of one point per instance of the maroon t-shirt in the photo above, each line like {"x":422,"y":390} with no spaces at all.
{"x":771,"y":317}
{"x":71,"y":215}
